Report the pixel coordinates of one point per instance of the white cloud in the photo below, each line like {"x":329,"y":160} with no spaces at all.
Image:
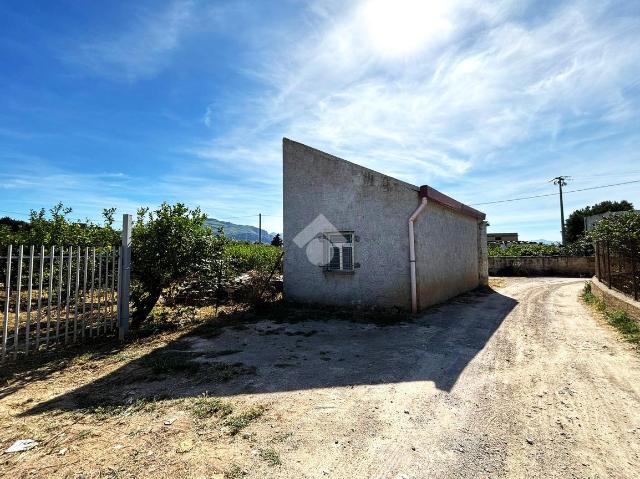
{"x":481,"y":86}
{"x":143,"y":49}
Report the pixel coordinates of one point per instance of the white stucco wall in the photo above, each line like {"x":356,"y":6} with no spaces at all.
{"x":377,"y":208}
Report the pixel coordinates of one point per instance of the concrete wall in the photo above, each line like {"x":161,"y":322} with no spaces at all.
{"x":446,"y":254}
{"x":615,"y":299}
{"x":376,"y":208}
{"x":582,"y":266}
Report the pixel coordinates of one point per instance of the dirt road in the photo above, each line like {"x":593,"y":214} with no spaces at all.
{"x":523,"y":383}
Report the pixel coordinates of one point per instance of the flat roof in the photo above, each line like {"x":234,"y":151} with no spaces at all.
{"x":431,"y":193}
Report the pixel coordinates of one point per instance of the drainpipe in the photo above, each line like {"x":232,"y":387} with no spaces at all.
{"x":412,"y":255}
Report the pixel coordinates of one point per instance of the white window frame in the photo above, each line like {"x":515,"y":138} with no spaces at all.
{"x":331,"y":243}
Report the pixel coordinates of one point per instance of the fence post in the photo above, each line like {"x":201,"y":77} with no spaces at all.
{"x":124,"y":279}
{"x":609,"y":265}
{"x":634,"y":274}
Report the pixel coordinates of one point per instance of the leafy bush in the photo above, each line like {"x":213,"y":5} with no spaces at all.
{"x":622,"y":232}
{"x":243,"y":257}
{"x":582,"y":247}
{"x":170,"y":245}
{"x":57,"y":229}
{"x":575,"y":221}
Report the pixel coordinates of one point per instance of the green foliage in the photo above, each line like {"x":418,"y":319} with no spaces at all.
{"x":619,"y":319}
{"x":238,"y":422}
{"x":271,"y":456}
{"x":622,"y":232}
{"x":581,"y":247}
{"x":169,"y":245}
{"x":243,"y":256}
{"x":204,"y":407}
{"x":575,"y":222}
{"x":56,"y":229}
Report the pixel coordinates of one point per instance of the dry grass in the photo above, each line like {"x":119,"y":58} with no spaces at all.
{"x":497,"y":282}
{"x":128,"y":410}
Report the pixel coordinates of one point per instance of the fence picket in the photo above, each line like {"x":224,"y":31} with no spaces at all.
{"x":84,"y":291}
{"x":57,"y":336}
{"x":16,"y":331}
{"x":33,"y":315}
{"x":99,"y":292}
{"x":7,"y":299}
{"x":75,"y":299}
{"x":40,"y":282}
{"x":52,"y":255}
{"x":113,"y":293}
{"x":106,"y":291}
{"x":67,"y":305}
{"x":93,"y":278}
{"x":27,"y":334}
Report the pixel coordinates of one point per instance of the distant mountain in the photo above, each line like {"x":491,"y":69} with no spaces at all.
{"x":239,"y":232}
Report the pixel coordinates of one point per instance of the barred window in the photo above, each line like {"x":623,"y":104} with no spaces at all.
{"x":340,"y":251}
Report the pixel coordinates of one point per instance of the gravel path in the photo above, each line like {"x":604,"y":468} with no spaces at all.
{"x":522,"y":383}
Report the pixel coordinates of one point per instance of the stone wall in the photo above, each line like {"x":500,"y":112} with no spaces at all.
{"x":578,"y":266}
{"x":615,"y":299}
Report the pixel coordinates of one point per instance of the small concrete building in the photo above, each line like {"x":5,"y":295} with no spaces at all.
{"x":493,"y":237}
{"x":353,"y":236}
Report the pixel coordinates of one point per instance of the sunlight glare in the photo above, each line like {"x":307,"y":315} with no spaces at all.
{"x":403,"y":27}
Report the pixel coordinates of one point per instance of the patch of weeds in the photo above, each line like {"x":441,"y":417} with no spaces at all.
{"x":234,"y":472}
{"x":164,"y":362}
{"x":615,"y":317}
{"x":238,"y":422}
{"x":85,"y":357}
{"x":271,"y":456}
{"x":223,"y":371}
{"x":591,"y":299}
{"x":204,"y":407}
{"x":109,"y":410}
{"x":119,"y":357}
{"x":626,"y":325}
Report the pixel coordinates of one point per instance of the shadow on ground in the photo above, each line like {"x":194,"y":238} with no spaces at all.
{"x":286,"y":348}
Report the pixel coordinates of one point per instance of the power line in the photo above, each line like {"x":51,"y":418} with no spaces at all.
{"x":555,"y":194}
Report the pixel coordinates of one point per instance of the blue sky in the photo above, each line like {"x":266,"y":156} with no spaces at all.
{"x":134,"y":103}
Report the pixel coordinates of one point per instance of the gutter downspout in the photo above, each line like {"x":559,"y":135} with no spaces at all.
{"x":412,"y":254}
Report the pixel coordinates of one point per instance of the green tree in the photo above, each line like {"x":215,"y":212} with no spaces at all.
{"x":169,"y":246}
{"x":276,"y":241}
{"x":57,"y":229}
{"x":575,"y":221}
{"x":622,"y":232}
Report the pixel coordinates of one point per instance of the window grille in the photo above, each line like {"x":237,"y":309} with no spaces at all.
{"x":340,"y":251}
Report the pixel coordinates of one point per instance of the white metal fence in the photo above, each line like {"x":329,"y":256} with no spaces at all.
{"x":62,"y":295}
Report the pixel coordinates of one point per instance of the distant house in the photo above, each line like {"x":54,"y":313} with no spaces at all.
{"x":590,"y":221}
{"x":353,"y":236}
{"x":493,"y":237}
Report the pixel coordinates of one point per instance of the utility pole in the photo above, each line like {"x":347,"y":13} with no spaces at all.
{"x":561,"y":181}
{"x":260,"y":228}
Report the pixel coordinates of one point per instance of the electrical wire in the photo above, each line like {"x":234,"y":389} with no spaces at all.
{"x":555,"y":194}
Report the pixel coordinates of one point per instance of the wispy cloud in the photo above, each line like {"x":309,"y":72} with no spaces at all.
{"x":143,"y":48}
{"x":430,"y":93}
